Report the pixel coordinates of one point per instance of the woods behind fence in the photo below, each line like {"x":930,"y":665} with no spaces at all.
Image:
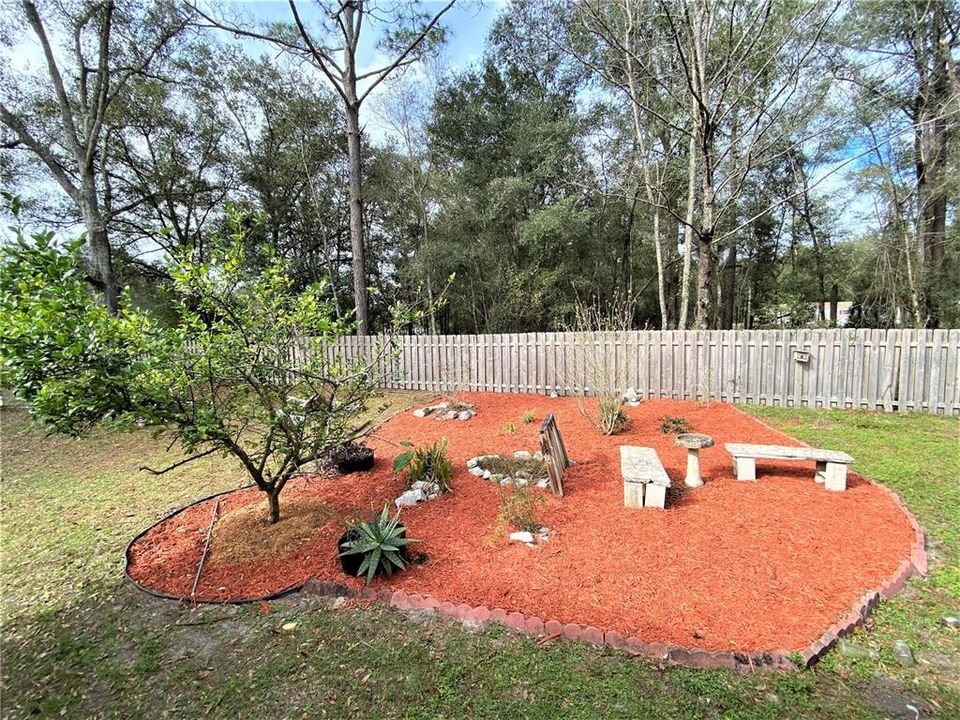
{"x":893,"y":370}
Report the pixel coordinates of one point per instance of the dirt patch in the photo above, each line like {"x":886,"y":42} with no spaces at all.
{"x":245,"y":535}
{"x":750,"y":566}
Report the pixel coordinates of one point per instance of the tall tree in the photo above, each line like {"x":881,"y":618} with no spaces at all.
{"x":408,"y":35}
{"x":64,"y":122}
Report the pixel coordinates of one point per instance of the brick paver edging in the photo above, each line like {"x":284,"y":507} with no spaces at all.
{"x":674,"y":654}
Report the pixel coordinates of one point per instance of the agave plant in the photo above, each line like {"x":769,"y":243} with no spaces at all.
{"x":380,"y":542}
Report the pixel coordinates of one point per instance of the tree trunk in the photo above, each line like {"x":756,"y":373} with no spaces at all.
{"x":356,"y":219}
{"x":273,"y":499}
{"x":99,"y":260}
{"x":729,"y":286}
{"x":705,"y":250}
{"x":688,"y":236}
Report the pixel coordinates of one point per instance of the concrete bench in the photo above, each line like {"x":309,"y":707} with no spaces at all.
{"x":831,"y":464}
{"x":645,"y":482}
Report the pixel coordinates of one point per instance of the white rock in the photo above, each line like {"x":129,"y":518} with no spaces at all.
{"x":554,"y":395}
{"x":521,"y":481}
{"x":464,"y":415}
{"x":421,"y":412}
{"x":486,"y":474}
{"x":478,"y":471}
{"x":451,"y":415}
{"x":521,"y":536}
{"x":409,"y":498}
{"x":543,"y":533}
{"x":543,"y":484}
{"x":631,"y":396}
{"x":473,"y":462}
{"x":522,"y":474}
{"x":523,"y":455}
{"x":538,"y":456}
{"x":505,"y":481}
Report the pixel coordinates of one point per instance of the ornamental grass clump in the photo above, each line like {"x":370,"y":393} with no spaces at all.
{"x":380,"y":542}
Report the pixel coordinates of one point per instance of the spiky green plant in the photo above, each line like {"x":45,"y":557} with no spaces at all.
{"x":380,"y":542}
{"x":528,"y":417}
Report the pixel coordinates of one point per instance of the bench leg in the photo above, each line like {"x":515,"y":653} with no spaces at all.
{"x":745,"y":468}
{"x":656,"y":496}
{"x":836,"y":476}
{"x":632,"y":495}
{"x":820,"y":474}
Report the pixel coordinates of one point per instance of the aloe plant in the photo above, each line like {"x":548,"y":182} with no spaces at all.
{"x":380,"y":542}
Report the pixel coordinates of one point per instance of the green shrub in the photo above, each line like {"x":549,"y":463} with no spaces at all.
{"x":676,"y":425}
{"x":427,"y":463}
{"x":528,"y":417}
{"x":380,"y":541}
{"x":612,"y":419}
{"x":518,"y":508}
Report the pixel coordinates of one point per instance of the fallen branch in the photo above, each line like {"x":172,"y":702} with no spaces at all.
{"x":206,"y":550}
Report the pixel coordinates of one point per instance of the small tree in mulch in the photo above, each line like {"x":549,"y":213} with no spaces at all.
{"x":599,"y":384}
{"x":246,"y":372}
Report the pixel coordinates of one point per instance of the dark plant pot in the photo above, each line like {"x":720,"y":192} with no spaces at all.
{"x":351,"y":563}
{"x":359,"y":460}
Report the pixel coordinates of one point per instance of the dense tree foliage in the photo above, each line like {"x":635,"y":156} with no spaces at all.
{"x":705,"y":164}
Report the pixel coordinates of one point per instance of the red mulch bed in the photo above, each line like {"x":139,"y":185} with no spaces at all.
{"x":759,"y":565}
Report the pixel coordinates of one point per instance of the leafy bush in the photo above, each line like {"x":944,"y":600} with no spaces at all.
{"x":242,"y":373}
{"x":426,"y":463}
{"x":610,"y":415}
{"x":381,"y":542}
{"x":519,"y":505}
{"x":676,"y":425}
{"x":528,"y":417}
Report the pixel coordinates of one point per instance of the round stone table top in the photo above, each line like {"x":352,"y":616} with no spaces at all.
{"x":693,"y":441}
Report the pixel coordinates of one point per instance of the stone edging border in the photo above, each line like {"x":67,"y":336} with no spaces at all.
{"x":673,"y":654}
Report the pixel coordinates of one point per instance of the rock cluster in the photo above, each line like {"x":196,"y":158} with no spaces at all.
{"x":531,"y":539}
{"x":447,"y":411}
{"x":419,"y":491}
{"x":520,"y":477}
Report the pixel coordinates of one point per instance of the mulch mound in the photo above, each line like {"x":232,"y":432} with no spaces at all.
{"x":733,"y":565}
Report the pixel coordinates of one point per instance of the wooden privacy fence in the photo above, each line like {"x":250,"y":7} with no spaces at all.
{"x":902,"y":370}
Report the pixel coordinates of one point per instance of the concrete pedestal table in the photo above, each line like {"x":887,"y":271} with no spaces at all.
{"x":693,"y":442}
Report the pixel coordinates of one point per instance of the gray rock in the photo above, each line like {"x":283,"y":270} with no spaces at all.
{"x":543,"y":484}
{"x":478,"y":471}
{"x":952,"y":621}
{"x":464,"y":415}
{"x":631,"y":396}
{"x":523,"y":455}
{"x":450,"y":415}
{"x":473,"y":462}
{"x":521,"y":536}
{"x":409,"y":498}
{"x":903,"y":653}
{"x":538,"y":456}
{"x":487,"y":474}
{"x":421,"y":412}
{"x":522,"y":474}
{"x":521,"y":481}
{"x":506,"y":481}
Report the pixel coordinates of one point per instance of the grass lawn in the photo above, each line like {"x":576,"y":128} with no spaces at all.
{"x":78,"y":642}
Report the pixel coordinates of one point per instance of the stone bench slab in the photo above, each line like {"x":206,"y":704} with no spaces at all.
{"x":783,"y":452}
{"x":831,"y":464}
{"x":641,"y":465}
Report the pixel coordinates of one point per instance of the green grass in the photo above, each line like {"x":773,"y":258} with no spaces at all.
{"x":78,"y":642}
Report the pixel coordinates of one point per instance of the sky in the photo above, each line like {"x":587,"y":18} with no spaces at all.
{"x":467,"y":24}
